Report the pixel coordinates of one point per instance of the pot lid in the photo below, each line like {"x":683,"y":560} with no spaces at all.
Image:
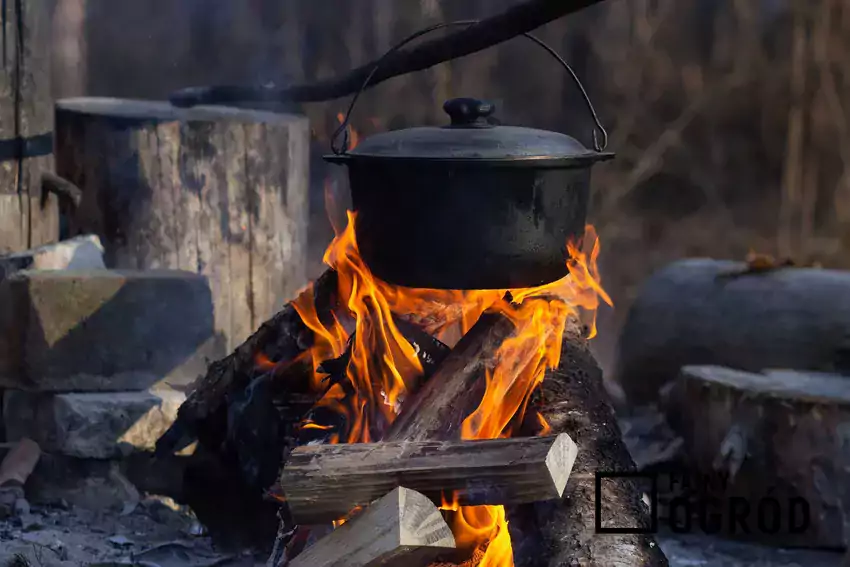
{"x":470,"y":136}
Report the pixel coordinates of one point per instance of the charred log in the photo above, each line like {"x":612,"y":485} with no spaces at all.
{"x":246,"y":417}
{"x":514,"y":21}
{"x":323,"y":483}
{"x":281,"y":339}
{"x":726,"y":314}
{"x":573,"y":400}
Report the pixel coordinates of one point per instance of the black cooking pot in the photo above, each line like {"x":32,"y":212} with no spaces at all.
{"x":469,"y":205}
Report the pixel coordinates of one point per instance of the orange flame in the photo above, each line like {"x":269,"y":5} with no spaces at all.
{"x":383,"y":364}
{"x":354,"y":136}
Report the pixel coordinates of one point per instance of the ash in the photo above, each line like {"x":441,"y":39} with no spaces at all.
{"x":155,"y":533}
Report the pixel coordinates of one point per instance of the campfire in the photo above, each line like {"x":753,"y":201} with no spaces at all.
{"x":411,"y":406}
{"x":472,"y":376}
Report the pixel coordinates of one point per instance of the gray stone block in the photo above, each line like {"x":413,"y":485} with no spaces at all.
{"x":79,"y":253}
{"x":104,"y":330}
{"x":94,"y":425}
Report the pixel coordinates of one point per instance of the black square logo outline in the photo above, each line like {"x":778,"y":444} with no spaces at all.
{"x":653,"y":502}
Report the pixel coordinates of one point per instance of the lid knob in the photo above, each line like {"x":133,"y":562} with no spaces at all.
{"x":468,"y":111}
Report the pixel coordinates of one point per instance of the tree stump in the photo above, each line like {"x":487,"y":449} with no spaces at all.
{"x":26,"y":121}
{"x":714,"y":312}
{"x":219,"y":191}
{"x":766,"y":447}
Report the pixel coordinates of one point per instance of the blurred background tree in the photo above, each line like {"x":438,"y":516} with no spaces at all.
{"x":728,"y":116}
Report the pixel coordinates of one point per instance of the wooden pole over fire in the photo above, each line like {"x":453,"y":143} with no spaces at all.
{"x":516,"y":20}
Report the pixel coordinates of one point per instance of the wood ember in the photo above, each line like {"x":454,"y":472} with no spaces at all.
{"x":402,"y":529}
{"x":779,"y":439}
{"x":723,"y":313}
{"x":324,"y":482}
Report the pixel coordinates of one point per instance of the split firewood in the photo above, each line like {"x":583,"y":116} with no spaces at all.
{"x":438,"y":409}
{"x":402,"y":529}
{"x":776,"y":443}
{"x":573,"y":399}
{"x":324,"y":482}
{"x":516,"y":20}
{"x":692,"y":312}
{"x":455,"y":389}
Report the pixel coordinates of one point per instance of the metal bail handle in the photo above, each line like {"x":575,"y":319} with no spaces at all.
{"x":600,"y":135}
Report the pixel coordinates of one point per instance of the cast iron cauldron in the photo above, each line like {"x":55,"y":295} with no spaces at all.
{"x":469,"y":205}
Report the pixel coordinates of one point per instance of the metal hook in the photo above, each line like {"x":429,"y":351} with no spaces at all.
{"x":343,"y":128}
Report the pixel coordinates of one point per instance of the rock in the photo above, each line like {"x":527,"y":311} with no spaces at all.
{"x":104,"y":330}
{"x":120,"y":541}
{"x":80,"y":253}
{"x":96,"y":425}
{"x":69,"y":483}
{"x":649,"y":438}
{"x":22,"y":507}
{"x":9,"y":496}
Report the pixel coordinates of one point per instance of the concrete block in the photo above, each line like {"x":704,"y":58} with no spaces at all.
{"x":104,"y":330}
{"x":94,"y":425}
{"x":79,"y":253}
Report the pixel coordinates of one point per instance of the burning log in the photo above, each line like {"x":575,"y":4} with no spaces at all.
{"x":438,"y":409}
{"x":324,"y":482}
{"x":244,"y":413}
{"x":572,"y":399}
{"x":402,"y":529}
{"x":775,"y":446}
{"x":700,"y":311}
{"x":514,"y":21}
{"x":280,"y":339}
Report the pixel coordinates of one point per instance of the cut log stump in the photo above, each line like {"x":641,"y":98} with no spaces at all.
{"x":219,"y":191}
{"x":323,"y":483}
{"x":27,"y":218}
{"x":710,"y":312}
{"x":778,"y":446}
{"x":402,"y":529}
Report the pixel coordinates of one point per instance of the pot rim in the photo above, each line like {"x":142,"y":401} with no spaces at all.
{"x":544,"y":162}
